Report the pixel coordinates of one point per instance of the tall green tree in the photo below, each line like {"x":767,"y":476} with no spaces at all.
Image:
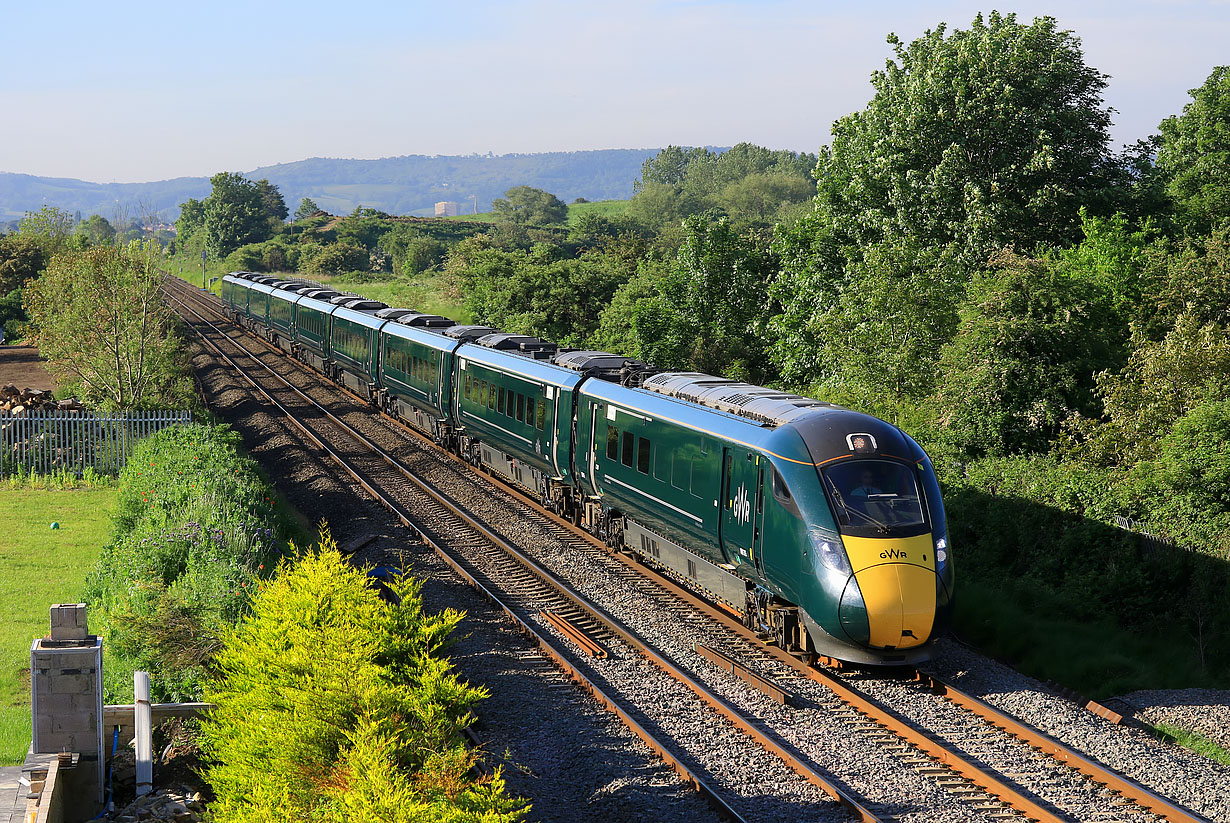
{"x":51,"y":227}
{"x":97,"y":230}
{"x":100,"y":320}
{"x":1195,"y":153}
{"x":191,"y":219}
{"x":985,"y":137}
{"x":22,"y":258}
{"x":711,"y":307}
{"x":307,"y":207}
{"x":525,"y":205}
{"x":273,"y":202}
{"x":234,"y":214}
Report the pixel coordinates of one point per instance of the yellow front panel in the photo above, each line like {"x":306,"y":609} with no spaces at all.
{"x":897,"y":579}
{"x":865,"y":552}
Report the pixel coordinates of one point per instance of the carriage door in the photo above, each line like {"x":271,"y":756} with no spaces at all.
{"x":742,"y":513}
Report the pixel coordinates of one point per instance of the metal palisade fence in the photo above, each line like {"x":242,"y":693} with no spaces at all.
{"x":44,"y":442}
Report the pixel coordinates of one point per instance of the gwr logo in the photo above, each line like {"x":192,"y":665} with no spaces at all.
{"x":742,"y":509}
{"x":894,"y":554}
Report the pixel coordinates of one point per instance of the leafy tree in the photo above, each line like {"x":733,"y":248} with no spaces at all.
{"x":1195,"y":153}
{"x":422,"y":254}
{"x":96,"y":230}
{"x":191,"y":219}
{"x":710,"y":310}
{"x":307,"y":208}
{"x":22,"y":258}
{"x":668,"y":166}
{"x":101,"y":321}
{"x":273,"y":203}
{"x":524,"y":205}
{"x":1187,"y":486}
{"x":337,"y":258}
{"x":52,"y":227}
{"x":1023,"y":358}
{"x":234,"y":214}
{"x":982,"y":138}
{"x":334,"y":705}
{"x":536,"y":293}
{"x":871,"y":338}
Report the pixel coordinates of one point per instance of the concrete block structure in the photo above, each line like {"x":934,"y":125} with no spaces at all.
{"x":67,"y":699}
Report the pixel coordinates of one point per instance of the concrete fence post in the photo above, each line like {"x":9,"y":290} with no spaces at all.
{"x":143,"y":723}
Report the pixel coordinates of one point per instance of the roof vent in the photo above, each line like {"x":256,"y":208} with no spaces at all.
{"x":469,"y":333}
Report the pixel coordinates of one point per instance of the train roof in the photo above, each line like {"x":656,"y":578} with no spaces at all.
{"x":359,"y":317}
{"x":771,"y":407}
{"x":427,"y":337}
{"x":542,"y":371}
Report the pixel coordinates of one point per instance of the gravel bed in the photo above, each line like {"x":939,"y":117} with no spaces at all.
{"x":1203,"y":711}
{"x":1171,"y":771}
{"x":603,"y":772}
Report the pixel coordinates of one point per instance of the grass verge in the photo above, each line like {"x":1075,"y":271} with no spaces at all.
{"x":40,"y":566}
{"x":1195,"y":742}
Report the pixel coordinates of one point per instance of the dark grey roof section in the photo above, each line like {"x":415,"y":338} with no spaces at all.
{"x":594,"y":361}
{"x":321,"y":294}
{"x":392,"y":314}
{"x":768,"y":406}
{"x":469,"y":333}
{"x":360,"y":304}
{"x":519,"y":344}
{"x":426,"y":321}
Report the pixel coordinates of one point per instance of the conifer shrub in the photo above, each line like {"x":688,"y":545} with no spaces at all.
{"x":335,"y":705}
{"x":194,"y":528}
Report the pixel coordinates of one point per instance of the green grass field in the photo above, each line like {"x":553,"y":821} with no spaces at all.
{"x":40,"y":566}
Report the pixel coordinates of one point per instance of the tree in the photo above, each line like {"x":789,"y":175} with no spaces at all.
{"x":272,"y":202}
{"x":871,"y":338}
{"x":234,"y":214}
{"x":984,"y":138}
{"x":51,"y":227}
{"x":337,"y":258}
{"x":1023,"y":360}
{"x":668,"y":166}
{"x":524,"y":205}
{"x":96,"y":230}
{"x":307,"y":208}
{"x":191,"y":219}
{"x":422,"y":253}
{"x":1195,"y":153}
{"x":22,"y":258}
{"x":710,"y":310}
{"x":100,"y":320}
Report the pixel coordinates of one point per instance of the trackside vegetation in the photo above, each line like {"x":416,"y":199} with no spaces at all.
{"x":194,"y":530}
{"x":336,"y":705}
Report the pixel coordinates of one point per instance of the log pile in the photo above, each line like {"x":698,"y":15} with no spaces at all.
{"x":17,"y":401}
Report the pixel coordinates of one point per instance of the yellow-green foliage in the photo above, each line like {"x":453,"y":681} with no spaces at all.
{"x":335,"y":705}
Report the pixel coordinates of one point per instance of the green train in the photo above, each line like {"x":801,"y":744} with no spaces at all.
{"x":822,"y":527}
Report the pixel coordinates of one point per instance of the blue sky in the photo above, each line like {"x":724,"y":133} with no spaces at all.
{"x":132,"y":91}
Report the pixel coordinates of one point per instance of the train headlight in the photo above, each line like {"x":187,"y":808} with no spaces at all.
{"x":831,"y":553}
{"x":941,"y":551}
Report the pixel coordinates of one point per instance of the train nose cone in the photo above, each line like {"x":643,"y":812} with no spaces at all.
{"x":900,"y":604}
{"x":897,"y":583}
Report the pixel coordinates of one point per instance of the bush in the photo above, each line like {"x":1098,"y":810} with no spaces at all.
{"x":193,"y":530}
{"x":337,"y":258}
{"x":334,"y":705}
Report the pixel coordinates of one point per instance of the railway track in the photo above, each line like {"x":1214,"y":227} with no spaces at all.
{"x":553,"y":609}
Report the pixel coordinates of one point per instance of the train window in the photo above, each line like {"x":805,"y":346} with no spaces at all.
{"x":542,"y":415}
{"x":490,"y":395}
{"x":626,"y":457}
{"x":612,"y":443}
{"x":520,"y":408}
{"x":642,"y":455}
{"x":499,"y":403}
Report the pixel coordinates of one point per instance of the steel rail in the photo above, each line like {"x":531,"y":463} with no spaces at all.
{"x":774,"y":746}
{"x":901,"y":727}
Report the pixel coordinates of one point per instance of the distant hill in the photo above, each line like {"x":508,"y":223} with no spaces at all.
{"x":397,"y":185}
